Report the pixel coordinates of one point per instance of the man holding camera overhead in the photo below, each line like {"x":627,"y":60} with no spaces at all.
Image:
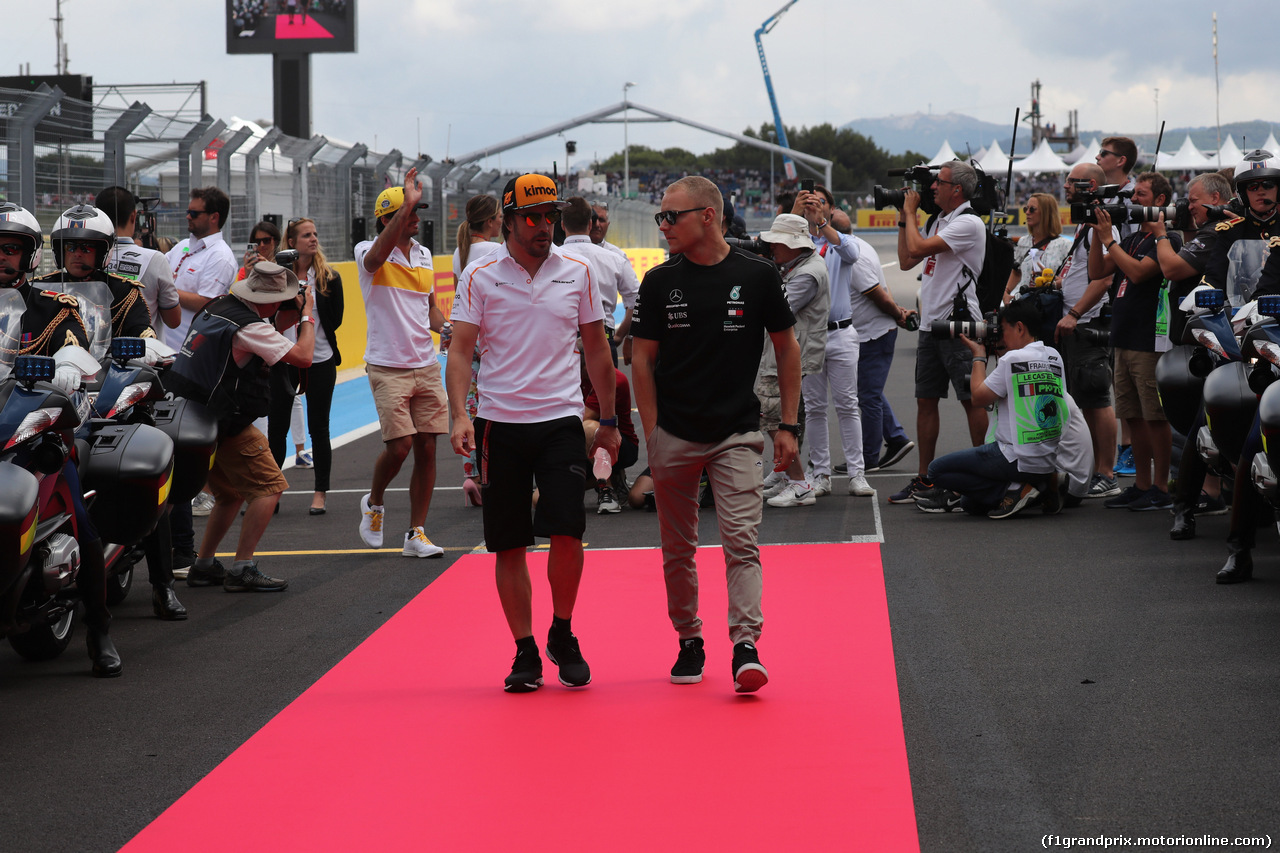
{"x":954,"y":242}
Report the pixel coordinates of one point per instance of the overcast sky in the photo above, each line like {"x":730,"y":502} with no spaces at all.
{"x":475,"y":74}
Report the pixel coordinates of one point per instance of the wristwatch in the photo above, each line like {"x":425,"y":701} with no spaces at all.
{"x":613,"y":422}
{"x":794,"y":429}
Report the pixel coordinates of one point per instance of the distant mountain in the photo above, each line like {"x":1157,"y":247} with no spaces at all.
{"x":926,"y":133}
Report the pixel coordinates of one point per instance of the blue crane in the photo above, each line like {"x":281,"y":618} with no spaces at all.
{"x":787,"y":165}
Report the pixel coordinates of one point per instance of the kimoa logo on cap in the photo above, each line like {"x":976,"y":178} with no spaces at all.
{"x":539,"y":190}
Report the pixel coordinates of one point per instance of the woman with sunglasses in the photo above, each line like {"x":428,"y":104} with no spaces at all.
{"x":1042,"y":248}
{"x":314,"y":271}
{"x":476,"y":234}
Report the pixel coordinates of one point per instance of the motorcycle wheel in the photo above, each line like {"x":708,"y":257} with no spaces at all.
{"x":45,"y":642}
{"x":118,"y":586}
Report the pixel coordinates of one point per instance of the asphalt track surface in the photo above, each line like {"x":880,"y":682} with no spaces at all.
{"x":1078,"y":675}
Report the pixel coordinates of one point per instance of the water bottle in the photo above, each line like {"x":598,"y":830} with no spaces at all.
{"x":446,"y":335}
{"x":602,"y":466}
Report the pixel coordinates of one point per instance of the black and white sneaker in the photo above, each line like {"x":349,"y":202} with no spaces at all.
{"x":689,"y":665}
{"x":748,"y":674}
{"x":252,"y":580}
{"x":526,"y":673}
{"x":565,"y":654}
{"x":944,"y":501}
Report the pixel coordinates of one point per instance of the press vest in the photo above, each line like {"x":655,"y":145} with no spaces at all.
{"x":205,"y":369}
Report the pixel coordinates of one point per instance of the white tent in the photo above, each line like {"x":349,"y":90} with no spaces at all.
{"x":994,"y":161}
{"x":1043,"y":159}
{"x":945,"y":155}
{"x":1187,"y":159}
{"x":1229,"y":155}
{"x":1075,"y":155}
{"x":1271,"y":144}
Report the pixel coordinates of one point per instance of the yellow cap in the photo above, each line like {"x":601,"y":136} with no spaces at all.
{"x":389,"y":201}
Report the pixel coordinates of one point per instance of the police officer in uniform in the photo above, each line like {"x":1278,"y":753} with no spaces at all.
{"x":52,"y":322}
{"x":82,"y":240}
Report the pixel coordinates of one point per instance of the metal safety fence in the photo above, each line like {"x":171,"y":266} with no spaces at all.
{"x":60,"y":151}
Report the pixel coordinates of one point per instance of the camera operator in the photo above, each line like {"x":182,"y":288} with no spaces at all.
{"x":1032,"y":411}
{"x":1139,"y":300}
{"x":1237,"y":272}
{"x":1089,"y":370}
{"x":953,"y":242}
{"x":1184,"y":269}
{"x":839,"y":368}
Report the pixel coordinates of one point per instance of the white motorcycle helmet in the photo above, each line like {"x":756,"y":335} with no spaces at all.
{"x":18,"y":222}
{"x":1258,"y":164}
{"x":83,"y":223}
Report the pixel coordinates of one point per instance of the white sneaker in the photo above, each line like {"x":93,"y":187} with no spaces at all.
{"x":772,"y":491}
{"x":202,"y":504}
{"x":859,"y":486}
{"x":821,"y":485}
{"x":773,"y":478}
{"x":416,"y":544}
{"x":371,"y":523}
{"x":795,"y":494}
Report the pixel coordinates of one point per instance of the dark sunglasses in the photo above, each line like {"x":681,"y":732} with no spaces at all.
{"x":1102,"y":151}
{"x":10,"y":250}
{"x":1030,"y":209}
{"x":670,"y":216}
{"x":1265,"y":184}
{"x":192,"y":214}
{"x":78,"y":246}
{"x":262,"y":241}
{"x":533,"y":220}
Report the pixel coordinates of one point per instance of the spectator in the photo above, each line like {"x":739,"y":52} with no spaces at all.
{"x":322,"y":280}
{"x":610,"y":270}
{"x":135,"y":263}
{"x":476,"y":234}
{"x":1042,"y":248}
{"x":609,"y":497}
{"x":400,"y":303}
{"x":684,"y":346}
{"x":839,"y":366}
{"x":529,"y":426}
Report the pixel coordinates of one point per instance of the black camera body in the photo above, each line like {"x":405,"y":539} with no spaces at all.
{"x":751,"y":244}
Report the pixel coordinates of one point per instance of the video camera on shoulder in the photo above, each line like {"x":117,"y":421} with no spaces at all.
{"x":751,"y":244}
{"x":921,"y":177}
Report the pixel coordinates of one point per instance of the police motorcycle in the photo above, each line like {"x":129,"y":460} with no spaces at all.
{"x":1263,"y":342}
{"x":125,"y":470}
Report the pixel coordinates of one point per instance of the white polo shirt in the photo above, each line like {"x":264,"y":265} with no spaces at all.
{"x":610,"y":268}
{"x":206,"y":266}
{"x":397,"y":303}
{"x":868,"y":319}
{"x":135,"y":263}
{"x":942,"y":275}
{"x":529,"y":369}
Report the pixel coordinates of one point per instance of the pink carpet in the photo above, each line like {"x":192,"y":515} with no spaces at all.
{"x":300,"y":29}
{"x":409,"y":743}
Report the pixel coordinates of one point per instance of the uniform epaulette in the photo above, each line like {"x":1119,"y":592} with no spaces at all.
{"x":1273,"y":243}
{"x":1231,"y":221}
{"x":64,"y":298}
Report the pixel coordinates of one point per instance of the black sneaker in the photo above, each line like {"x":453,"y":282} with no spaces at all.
{"x":526,"y":673}
{"x":251,"y":580}
{"x":565,"y":654}
{"x":895,"y":453}
{"x":842,"y":469}
{"x":1154,"y":498}
{"x":943,"y":500}
{"x":1130,"y":495}
{"x":1015,"y":501}
{"x":688,"y":668}
{"x":748,"y":675}
{"x":1210,"y":505}
{"x":212,"y":576}
{"x":911,"y":491}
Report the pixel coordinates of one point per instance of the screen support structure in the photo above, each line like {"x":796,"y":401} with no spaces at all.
{"x":291,"y":93}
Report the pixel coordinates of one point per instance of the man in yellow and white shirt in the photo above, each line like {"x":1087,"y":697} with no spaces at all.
{"x":397,"y":283}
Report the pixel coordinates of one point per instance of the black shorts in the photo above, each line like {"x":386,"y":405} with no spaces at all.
{"x":515,"y":457}
{"x":1089,"y":372}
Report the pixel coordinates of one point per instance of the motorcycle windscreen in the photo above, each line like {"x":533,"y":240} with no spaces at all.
{"x":12,"y":305}
{"x":95,"y":309}
{"x":1246,"y":258}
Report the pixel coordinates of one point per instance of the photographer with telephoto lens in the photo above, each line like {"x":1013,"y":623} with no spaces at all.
{"x":953,"y":242}
{"x":1032,"y":412}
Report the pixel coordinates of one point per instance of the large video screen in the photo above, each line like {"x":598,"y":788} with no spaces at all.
{"x":291,"y":26}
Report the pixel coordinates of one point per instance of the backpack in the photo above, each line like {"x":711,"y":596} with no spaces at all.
{"x":997,"y":265}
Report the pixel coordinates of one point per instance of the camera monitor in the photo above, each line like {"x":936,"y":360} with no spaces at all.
{"x":291,"y":27}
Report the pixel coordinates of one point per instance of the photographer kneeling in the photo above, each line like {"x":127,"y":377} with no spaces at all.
{"x":1002,"y":477}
